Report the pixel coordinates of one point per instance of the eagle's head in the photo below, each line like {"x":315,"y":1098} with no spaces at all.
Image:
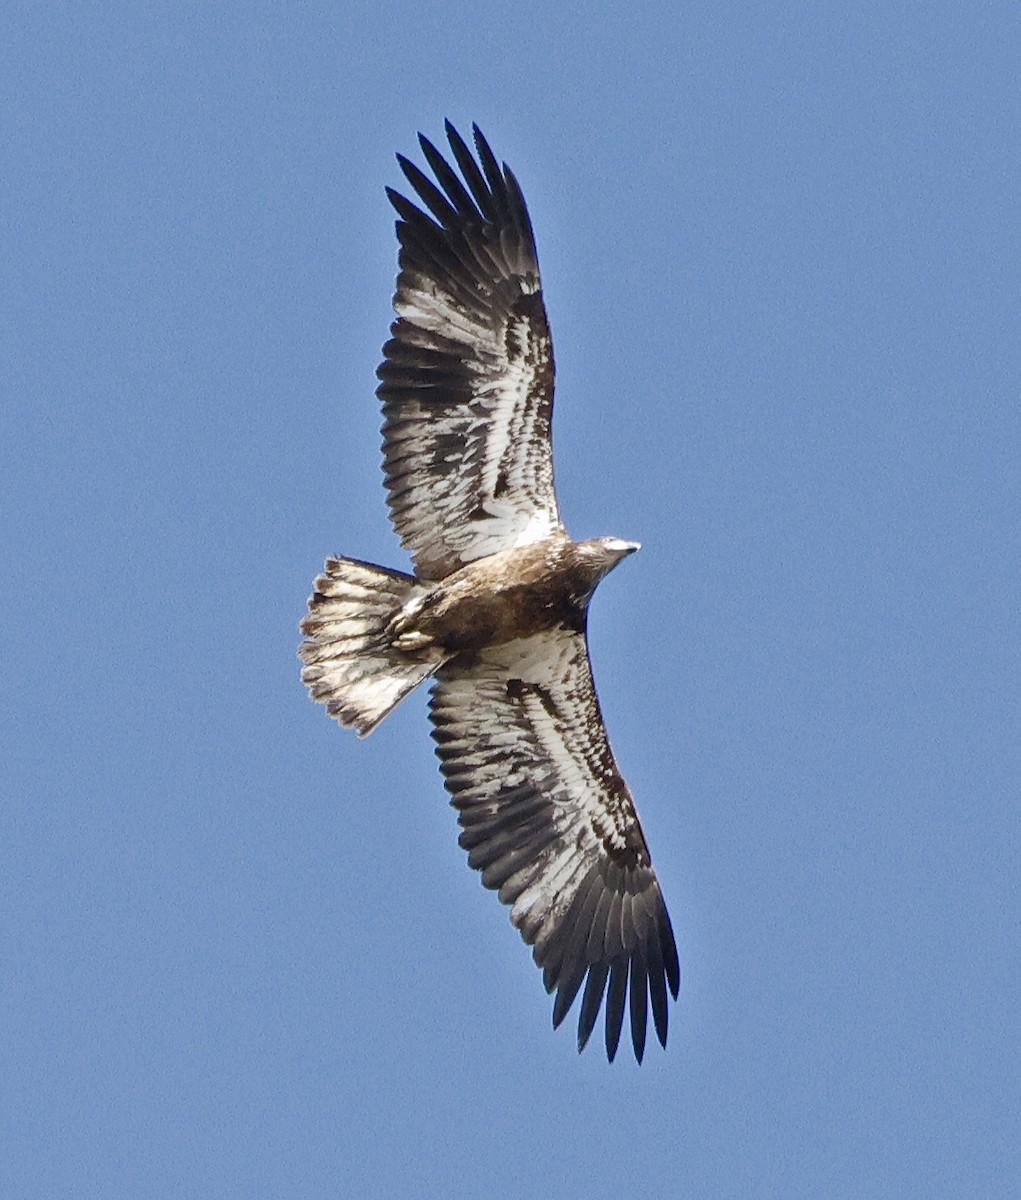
{"x":615,"y":548}
{"x":597,"y":557}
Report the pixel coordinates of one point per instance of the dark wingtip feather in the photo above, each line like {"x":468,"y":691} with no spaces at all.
{"x":405,"y":209}
{"x":487,"y":158}
{"x":657,"y":991}
{"x":591,"y":1001}
{"x":517,"y":204}
{"x":491,"y":170}
{"x":638,"y":1004}
{"x":432,"y":197}
{"x":616,"y":995}
{"x":457,"y":143}
{"x":448,"y":180}
{"x":668,"y":948}
{"x":565,"y":997}
{"x":473,"y":176}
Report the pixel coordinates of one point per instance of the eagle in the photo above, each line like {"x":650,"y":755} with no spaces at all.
{"x":495,"y":611}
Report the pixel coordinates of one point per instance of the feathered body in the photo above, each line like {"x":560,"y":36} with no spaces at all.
{"x":496,"y":611}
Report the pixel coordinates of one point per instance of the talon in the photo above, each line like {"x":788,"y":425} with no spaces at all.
{"x":411,"y":640}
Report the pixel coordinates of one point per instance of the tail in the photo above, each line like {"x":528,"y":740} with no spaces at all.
{"x":351,"y":664}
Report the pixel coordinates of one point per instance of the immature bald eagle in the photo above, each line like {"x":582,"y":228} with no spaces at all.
{"x":496,"y":610}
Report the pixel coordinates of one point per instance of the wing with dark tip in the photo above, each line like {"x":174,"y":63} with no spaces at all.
{"x":551,"y":825}
{"x":467,"y":376}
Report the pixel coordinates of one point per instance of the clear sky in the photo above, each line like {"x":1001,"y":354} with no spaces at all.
{"x":243,"y":955}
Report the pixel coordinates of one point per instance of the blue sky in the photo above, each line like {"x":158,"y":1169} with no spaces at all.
{"x":243,"y":954}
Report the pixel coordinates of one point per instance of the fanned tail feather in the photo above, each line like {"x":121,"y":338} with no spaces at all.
{"x":351,"y":665}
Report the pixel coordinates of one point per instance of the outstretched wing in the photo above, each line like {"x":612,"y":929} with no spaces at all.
{"x":549,"y":821}
{"x":467,"y":377}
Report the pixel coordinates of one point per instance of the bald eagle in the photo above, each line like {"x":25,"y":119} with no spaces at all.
{"x":495,"y":612}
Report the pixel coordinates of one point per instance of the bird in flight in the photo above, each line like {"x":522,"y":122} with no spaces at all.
{"x":495,"y":612}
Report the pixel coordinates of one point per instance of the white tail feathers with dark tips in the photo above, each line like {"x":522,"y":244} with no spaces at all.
{"x":351,"y":665}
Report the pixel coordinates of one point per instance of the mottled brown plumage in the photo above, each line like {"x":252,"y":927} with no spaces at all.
{"x":496,"y":612}
{"x":510,"y":595}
